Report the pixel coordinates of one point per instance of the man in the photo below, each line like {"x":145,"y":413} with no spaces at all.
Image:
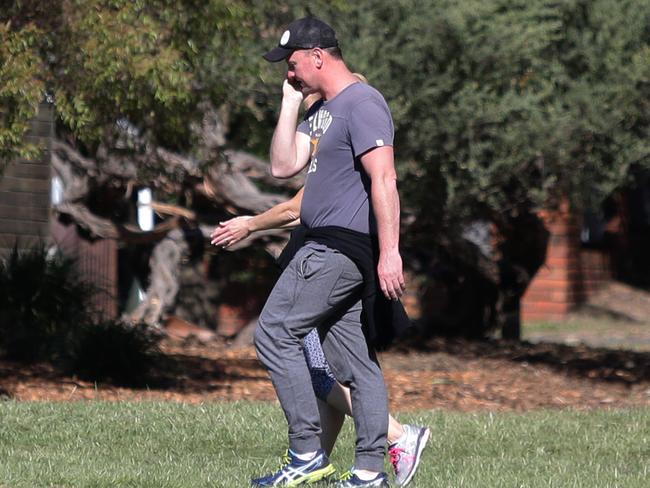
{"x":350,"y":195}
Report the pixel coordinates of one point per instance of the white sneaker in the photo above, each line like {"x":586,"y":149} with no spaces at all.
{"x":405,"y":454}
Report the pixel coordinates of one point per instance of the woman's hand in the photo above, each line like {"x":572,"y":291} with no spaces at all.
{"x":231,"y":231}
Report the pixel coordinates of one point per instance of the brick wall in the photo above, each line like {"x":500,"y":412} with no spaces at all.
{"x":570,"y":274}
{"x":25,"y":190}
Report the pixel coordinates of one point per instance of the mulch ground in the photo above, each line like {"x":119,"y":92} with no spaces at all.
{"x":434,"y":374}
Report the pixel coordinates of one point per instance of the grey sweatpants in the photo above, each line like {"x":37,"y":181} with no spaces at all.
{"x":320,"y":289}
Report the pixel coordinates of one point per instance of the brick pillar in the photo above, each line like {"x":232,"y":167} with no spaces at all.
{"x":557,"y":286}
{"x":570,"y":274}
{"x":97,"y":264}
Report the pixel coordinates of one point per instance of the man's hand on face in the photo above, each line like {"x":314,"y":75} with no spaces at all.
{"x":291,"y":91}
{"x":391,"y":278}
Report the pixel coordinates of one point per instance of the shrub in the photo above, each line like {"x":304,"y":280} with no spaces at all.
{"x":45,"y":315}
{"x":42,"y":305}
{"x":114,"y":352}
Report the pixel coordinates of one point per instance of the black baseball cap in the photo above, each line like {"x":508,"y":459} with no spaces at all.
{"x":305,"y":33}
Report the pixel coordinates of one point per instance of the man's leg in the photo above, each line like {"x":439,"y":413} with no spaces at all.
{"x":406,"y":442}
{"x":354,"y":365}
{"x":314,"y":285}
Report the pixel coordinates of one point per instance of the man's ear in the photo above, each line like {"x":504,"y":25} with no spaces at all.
{"x":318,"y":54}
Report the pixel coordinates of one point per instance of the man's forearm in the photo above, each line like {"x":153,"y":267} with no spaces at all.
{"x":283,"y":152}
{"x":386,"y":207}
{"x":385,"y":201}
{"x":379,"y":165}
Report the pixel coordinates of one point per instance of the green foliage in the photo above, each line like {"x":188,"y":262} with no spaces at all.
{"x":149,"y":63}
{"x":156,"y":65}
{"x":21,"y":90}
{"x":502,"y":107}
{"x":117,"y":61}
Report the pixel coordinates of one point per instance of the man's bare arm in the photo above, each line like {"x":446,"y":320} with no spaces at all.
{"x":380,"y":166}
{"x":285,"y":214}
{"x":289,"y":149}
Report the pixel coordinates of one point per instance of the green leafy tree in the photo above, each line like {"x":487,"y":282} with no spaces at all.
{"x":503,"y":108}
{"x":20,"y":90}
{"x":146,"y":62}
{"x":156,"y":64}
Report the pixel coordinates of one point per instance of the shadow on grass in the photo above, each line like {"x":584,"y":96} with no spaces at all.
{"x":192,"y":374}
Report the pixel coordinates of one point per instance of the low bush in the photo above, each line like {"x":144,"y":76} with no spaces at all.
{"x":46,"y":315}
{"x":42,"y":304}
{"x":114,"y":352}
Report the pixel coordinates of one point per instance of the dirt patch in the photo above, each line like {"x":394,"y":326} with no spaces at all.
{"x":620,"y":301}
{"x":438,"y":374}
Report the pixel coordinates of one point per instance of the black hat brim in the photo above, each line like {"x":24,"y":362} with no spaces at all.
{"x":278,"y":54}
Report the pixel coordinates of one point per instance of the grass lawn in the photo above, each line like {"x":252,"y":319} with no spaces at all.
{"x":595,"y":332}
{"x":94,"y":444}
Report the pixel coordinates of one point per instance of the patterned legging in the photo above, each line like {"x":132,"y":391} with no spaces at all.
{"x":322,"y":378}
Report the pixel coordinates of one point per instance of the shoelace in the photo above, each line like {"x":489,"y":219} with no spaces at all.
{"x":286,"y":460}
{"x":395,"y":455}
{"x":346,"y":476}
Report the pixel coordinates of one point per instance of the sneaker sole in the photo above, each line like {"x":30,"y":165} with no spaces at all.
{"x":315,"y":477}
{"x":422,"y":443}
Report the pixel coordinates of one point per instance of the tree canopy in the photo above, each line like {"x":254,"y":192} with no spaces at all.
{"x":505,"y":106}
{"x":499,"y":105}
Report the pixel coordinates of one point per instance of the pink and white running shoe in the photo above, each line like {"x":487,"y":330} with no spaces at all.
{"x":405,"y":454}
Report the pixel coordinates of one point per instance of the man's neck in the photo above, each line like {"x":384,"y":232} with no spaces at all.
{"x":338,"y":79}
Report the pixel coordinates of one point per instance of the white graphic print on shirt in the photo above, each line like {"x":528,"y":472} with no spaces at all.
{"x":318,"y":125}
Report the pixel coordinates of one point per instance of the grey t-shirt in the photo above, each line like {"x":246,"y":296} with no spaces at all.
{"x":337,"y":189}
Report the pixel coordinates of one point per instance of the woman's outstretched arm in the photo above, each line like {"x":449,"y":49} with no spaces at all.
{"x":285,"y":214}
